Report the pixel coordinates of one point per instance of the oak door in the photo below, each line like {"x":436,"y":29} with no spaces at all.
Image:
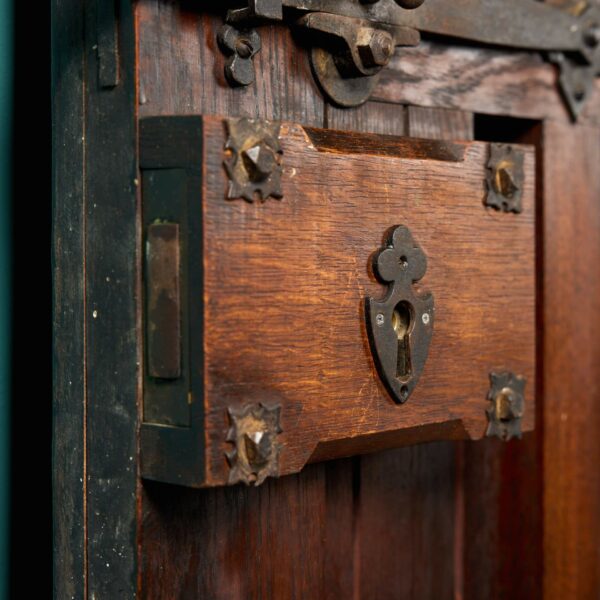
{"x":441,"y":519}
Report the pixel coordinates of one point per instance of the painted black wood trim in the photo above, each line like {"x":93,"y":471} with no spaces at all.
{"x":108,"y":43}
{"x":112,"y":331}
{"x":171,"y":142}
{"x":164,"y":199}
{"x":68,"y":288}
{"x":171,"y":147}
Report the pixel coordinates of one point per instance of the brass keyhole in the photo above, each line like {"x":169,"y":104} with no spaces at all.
{"x":401,"y":322}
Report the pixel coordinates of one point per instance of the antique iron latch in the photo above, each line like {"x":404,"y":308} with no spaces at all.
{"x":400,"y":325}
{"x":353,"y":40}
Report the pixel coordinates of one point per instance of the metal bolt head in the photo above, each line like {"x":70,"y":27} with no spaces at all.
{"x":245,"y":43}
{"x":425,"y":318}
{"x":409,"y":4}
{"x":240,"y":46}
{"x":507,"y":397}
{"x":380,"y":319}
{"x":379,"y":51}
{"x":239,"y":71}
{"x":243,"y":47}
{"x":506,"y":405}
{"x":260,"y":162}
{"x":505,"y":178}
{"x":504,"y":182}
{"x":258,"y":448}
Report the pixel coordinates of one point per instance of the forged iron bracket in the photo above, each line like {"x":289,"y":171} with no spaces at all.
{"x":353,"y":40}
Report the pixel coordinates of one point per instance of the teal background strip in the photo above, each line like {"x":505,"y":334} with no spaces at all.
{"x":6,"y":105}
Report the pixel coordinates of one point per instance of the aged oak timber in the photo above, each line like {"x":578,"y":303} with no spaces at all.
{"x":285,"y":279}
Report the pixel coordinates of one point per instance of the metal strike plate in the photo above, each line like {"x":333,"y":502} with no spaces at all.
{"x":400,"y":325}
{"x":353,"y":40}
{"x":163,"y":328}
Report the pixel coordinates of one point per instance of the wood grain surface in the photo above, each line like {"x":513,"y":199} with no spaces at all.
{"x":214,"y":543}
{"x":68,"y":406}
{"x":189,"y":547}
{"x":371,"y":117}
{"x":111,"y":316}
{"x":439,"y":123}
{"x":95,"y":314}
{"x":483,"y":80}
{"x":406,"y":496}
{"x":181,"y":68}
{"x":425,"y":473}
{"x":571,"y":345}
{"x":258,"y":263}
{"x":436,"y":470}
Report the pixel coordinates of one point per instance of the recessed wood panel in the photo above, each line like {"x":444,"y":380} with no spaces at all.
{"x":284,"y":283}
{"x":483,"y":80}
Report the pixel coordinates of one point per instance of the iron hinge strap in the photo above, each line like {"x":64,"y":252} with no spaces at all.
{"x":354,"y":37}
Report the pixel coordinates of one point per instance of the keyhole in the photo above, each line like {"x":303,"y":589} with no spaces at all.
{"x":401,"y":322}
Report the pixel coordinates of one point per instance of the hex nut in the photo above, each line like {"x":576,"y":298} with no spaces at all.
{"x":379,"y":51}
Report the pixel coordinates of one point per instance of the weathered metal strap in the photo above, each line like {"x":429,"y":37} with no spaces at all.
{"x":352,"y":41}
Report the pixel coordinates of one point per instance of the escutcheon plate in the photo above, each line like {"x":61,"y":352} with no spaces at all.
{"x":400,"y":325}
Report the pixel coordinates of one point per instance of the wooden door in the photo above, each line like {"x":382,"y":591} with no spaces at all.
{"x":443,"y":519}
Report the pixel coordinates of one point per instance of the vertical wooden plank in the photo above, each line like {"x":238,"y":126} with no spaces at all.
{"x":376,"y":480}
{"x":340,"y":552}
{"x":571,"y":380}
{"x":371,"y":117}
{"x":182,"y":68}
{"x":501,"y":482}
{"x":406,"y":523}
{"x":229,"y":543}
{"x":430,"y":123}
{"x":439,"y":123}
{"x":502,"y":508}
{"x":290,"y":538}
{"x":110,"y":314}
{"x":68,"y":291}
{"x":404,"y":499}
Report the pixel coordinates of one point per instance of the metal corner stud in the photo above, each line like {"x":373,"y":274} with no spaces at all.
{"x":254,"y":430}
{"x":505,"y":178}
{"x":253,"y":159}
{"x":400,"y":325}
{"x":507,"y":395}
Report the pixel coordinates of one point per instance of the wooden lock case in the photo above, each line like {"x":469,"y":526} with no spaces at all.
{"x":257,"y":351}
